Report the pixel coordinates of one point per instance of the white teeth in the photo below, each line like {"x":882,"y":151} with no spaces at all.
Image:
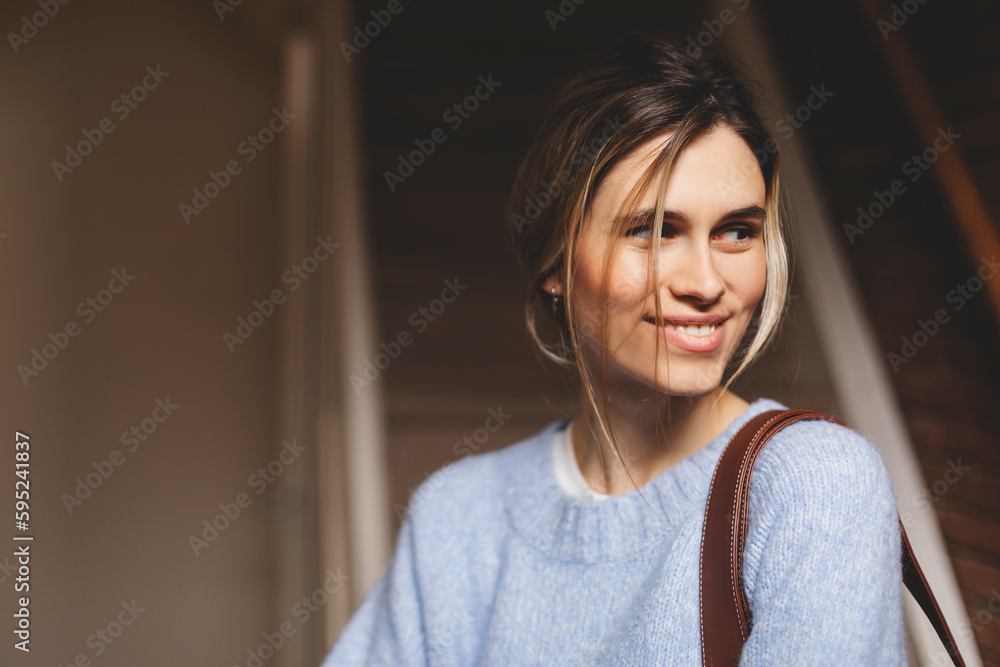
{"x":690,"y":330}
{"x":694,"y":330}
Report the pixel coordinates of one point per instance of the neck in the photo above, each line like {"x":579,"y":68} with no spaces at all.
{"x":686,"y":424}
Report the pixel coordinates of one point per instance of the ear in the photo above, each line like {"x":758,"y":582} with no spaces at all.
{"x":552,"y":282}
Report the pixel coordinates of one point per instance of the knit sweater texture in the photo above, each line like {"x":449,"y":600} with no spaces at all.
{"x":496,"y":564}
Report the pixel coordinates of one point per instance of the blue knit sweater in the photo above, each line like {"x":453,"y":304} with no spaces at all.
{"x":496,"y":564}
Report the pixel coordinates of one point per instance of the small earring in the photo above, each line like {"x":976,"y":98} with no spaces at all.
{"x":555,"y":301}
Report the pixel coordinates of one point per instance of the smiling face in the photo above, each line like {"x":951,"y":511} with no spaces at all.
{"x":710,"y":259}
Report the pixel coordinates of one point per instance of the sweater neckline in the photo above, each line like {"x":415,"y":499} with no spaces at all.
{"x":583,"y":530}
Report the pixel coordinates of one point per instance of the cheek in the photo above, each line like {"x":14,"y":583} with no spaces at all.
{"x":748,"y":279}
{"x":587,"y":276}
{"x":587,"y":287}
{"x":626,"y":291}
{"x":627,"y":287}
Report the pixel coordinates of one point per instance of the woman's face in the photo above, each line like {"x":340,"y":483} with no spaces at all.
{"x":711,"y":261}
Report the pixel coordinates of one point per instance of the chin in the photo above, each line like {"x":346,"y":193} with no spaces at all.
{"x":693,"y":383}
{"x":688,"y":392}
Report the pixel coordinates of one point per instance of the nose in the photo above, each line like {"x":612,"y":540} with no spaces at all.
{"x":692,"y":276}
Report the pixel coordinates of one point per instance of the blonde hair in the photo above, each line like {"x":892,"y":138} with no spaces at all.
{"x":645,"y":87}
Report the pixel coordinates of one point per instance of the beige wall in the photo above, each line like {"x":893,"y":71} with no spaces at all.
{"x":160,"y":337}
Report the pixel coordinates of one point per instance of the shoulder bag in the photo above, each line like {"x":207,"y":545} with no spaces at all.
{"x":725,"y":613}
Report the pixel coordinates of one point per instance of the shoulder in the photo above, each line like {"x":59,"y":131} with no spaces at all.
{"x":823,"y":524}
{"x":471,"y":488}
{"x":819,"y":464}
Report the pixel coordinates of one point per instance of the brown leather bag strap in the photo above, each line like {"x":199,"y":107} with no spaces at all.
{"x":725,"y":614}
{"x":915,"y":581}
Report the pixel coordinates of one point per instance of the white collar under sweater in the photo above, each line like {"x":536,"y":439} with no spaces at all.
{"x":568,"y":470}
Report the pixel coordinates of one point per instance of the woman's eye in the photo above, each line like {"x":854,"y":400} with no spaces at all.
{"x":644,"y":231}
{"x":740,"y":234}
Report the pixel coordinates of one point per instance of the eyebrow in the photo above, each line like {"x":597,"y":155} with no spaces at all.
{"x":645,"y":216}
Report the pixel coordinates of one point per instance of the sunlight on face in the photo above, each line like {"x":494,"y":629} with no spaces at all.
{"x":711,"y":263}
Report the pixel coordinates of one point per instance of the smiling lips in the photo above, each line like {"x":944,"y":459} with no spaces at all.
{"x":699,"y":333}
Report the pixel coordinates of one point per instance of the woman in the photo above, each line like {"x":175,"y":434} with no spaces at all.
{"x":646,"y":215}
